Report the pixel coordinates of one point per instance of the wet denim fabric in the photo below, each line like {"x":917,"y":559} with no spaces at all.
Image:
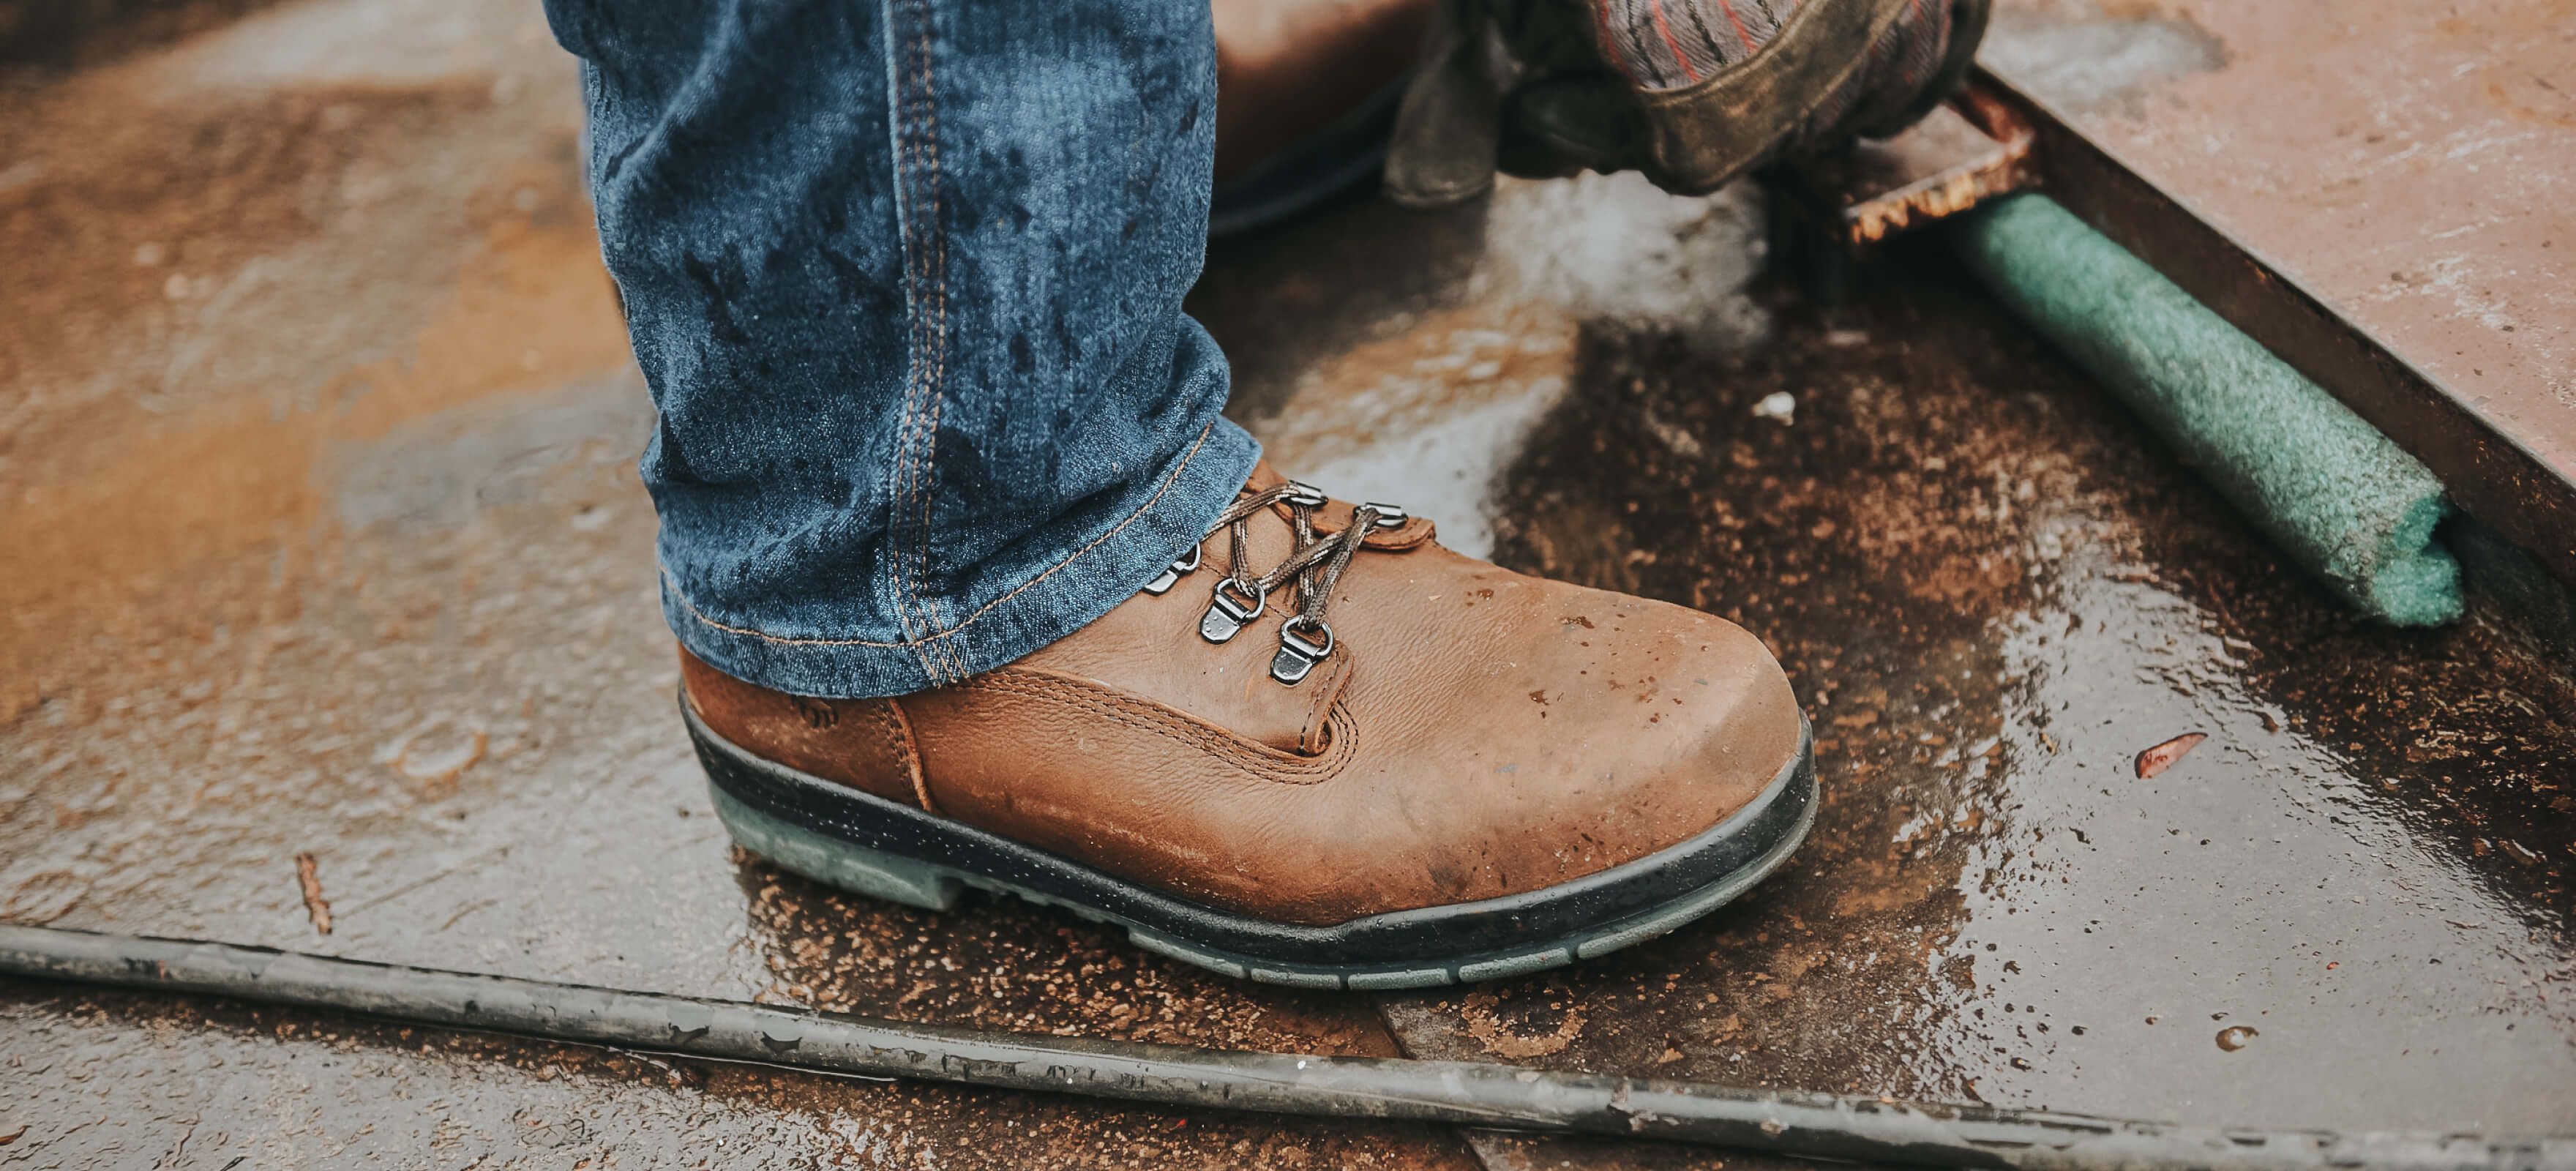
{"x":905,"y":279}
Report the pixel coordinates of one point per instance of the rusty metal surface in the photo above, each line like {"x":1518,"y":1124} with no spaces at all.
{"x":1968,"y":151}
{"x":2379,"y":191}
{"x":316,"y":446}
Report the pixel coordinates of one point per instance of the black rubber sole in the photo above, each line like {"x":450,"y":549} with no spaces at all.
{"x":837,"y":835}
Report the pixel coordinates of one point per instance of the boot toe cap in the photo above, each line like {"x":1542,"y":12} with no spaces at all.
{"x":1625,"y":738}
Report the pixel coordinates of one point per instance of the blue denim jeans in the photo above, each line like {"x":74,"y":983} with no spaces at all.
{"x":905,"y":279}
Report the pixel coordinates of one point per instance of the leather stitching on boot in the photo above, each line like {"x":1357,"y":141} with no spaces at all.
{"x":888,"y":716}
{"x":1252,"y":756}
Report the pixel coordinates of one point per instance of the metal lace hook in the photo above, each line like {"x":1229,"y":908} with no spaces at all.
{"x":1388,"y":516}
{"x":1171,"y":576}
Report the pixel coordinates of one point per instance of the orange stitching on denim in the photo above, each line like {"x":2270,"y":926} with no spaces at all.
{"x":702,"y":619}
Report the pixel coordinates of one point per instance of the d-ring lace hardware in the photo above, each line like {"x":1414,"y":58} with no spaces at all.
{"x":1315,"y":564}
{"x":1229,"y":614}
{"x":1298,"y":651}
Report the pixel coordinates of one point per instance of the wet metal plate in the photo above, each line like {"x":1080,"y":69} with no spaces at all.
{"x":2378,"y":191}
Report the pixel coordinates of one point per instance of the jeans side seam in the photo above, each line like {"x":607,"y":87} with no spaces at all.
{"x":934,"y":280}
{"x":702,"y":618}
{"x":900,"y":471}
{"x":910,"y":77}
{"x":936,"y":392}
{"x":938,"y":386}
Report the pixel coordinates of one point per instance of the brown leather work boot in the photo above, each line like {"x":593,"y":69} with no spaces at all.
{"x":1306,"y":755}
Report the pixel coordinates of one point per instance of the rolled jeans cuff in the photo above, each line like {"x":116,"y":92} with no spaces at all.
{"x":1165,"y":514}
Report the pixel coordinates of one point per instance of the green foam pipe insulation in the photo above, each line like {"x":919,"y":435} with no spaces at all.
{"x":2332,"y":491}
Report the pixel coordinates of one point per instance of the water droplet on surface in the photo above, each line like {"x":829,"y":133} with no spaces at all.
{"x":2234,"y":1037}
{"x":434,"y":752}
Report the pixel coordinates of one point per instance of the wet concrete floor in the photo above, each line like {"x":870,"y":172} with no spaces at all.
{"x":316,"y":447}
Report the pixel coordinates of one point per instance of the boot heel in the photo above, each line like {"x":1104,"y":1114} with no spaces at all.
{"x":874,"y":873}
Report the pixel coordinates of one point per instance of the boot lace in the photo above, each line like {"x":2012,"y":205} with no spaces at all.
{"x":1315,"y":563}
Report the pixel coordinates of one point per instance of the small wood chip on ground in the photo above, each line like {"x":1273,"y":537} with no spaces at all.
{"x":2163,"y":756}
{"x":309,"y":876}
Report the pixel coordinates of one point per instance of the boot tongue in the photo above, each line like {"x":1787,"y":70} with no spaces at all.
{"x":1334,"y":516}
{"x":1264,"y":476}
